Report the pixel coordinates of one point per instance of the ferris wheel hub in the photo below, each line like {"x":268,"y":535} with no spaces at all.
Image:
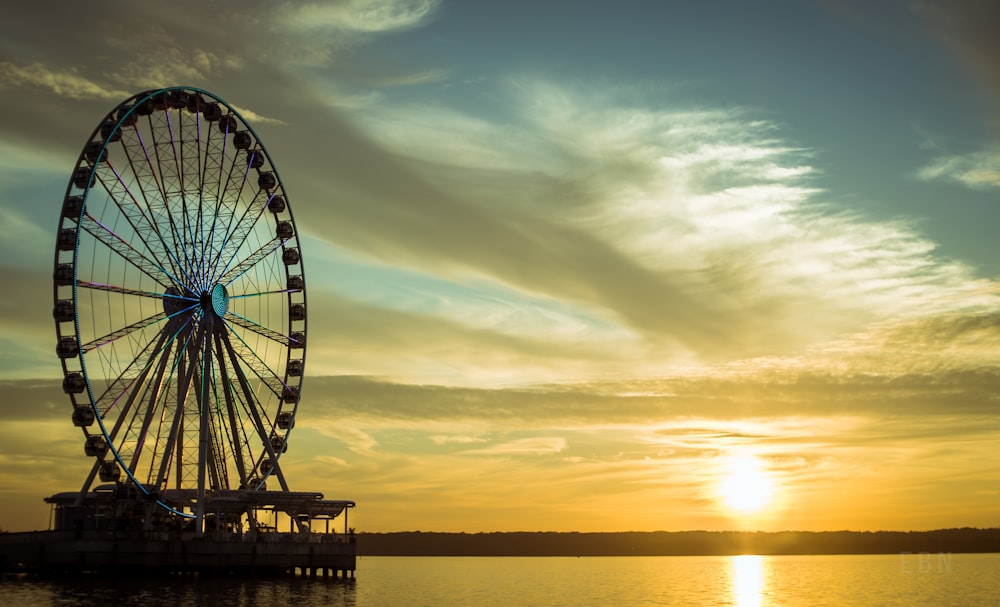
{"x":216,"y":300}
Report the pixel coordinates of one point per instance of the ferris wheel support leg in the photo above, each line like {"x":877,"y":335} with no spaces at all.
{"x":203,"y":426}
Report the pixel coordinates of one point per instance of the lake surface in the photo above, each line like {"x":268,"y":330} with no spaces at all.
{"x":904,"y":580}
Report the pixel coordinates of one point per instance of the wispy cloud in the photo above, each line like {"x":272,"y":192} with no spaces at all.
{"x":148,"y":46}
{"x":255,"y":118}
{"x":360,"y":15}
{"x":535,"y":445}
{"x":659,"y":235}
{"x":445,"y":439}
{"x":68,"y":83}
{"x":977,"y":170}
{"x":879,"y":439}
{"x":694,"y":232}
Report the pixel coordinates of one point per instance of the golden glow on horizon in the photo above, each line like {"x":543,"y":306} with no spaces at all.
{"x":746,"y":487}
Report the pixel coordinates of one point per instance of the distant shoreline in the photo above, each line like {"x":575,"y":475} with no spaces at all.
{"x":677,"y":543}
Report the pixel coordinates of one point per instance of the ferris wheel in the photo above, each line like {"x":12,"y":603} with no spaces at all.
{"x":180,"y":302}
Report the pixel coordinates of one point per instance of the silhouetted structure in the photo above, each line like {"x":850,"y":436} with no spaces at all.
{"x":180,"y":313}
{"x":680,"y":543}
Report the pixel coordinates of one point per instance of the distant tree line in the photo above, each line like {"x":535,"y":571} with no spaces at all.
{"x":679,"y":543}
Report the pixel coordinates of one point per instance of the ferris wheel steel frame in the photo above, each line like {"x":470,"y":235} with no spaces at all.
{"x":180,"y":301}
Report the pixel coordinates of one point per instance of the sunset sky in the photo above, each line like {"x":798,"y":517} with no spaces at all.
{"x":572,"y":265}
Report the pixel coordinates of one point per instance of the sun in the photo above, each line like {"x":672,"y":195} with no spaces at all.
{"x":745,"y":487}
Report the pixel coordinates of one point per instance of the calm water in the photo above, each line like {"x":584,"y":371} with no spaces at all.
{"x":960,"y":580}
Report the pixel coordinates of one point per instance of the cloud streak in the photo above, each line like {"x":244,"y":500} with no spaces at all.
{"x":64,"y":83}
{"x":366,"y":16}
{"x":698,"y":231}
{"x":977,"y":170}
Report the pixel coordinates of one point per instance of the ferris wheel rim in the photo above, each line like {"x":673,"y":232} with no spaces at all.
{"x":219,"y":299}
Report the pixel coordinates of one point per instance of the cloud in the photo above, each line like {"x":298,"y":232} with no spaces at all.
{"x":667,"y":442}
{"x":360,"y":15}
{"x":254,"y":118}
{"x":67,"y":83}
{"x":358,"y":441}
{"x":442,"y":439}
{"x":855,"y":385}
{"x":697,"y":230}
{"x":455,"y":341}
{"x":977,"y":170}
{"x":581,"y":449}
{"x":661,"y":234}
{"x":152,"y":45}
{"x":535,"y":445}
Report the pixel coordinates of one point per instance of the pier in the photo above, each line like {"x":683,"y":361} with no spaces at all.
{"x":97,"y":552}
{"x":112,"y":529}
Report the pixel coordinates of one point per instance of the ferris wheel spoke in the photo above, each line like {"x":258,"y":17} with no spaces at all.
{"x":218,"y":470}
{"x":170,"y":173}
{"x":196,"y":157}
{"x":186,"y":144}
{"x":261,"y":369}
{"x":85,"y":284}
{"x":144,"y":171}
{"x":175,"y":432}
{"x":123,"y":197}
{"x":135,"y":372}
{"x":178,"y":172}
{"x":237,"y":235}
{"x":223,"y":214}
{"x":159,"y":180}
{"x":184,"y":375}
{"x":246,"y":428}
{"x":259,"y":329}
{"x":122,"y":332}
{"x":209,"y":158}
{"x":207,"y":455}
{"x":169,"y":448}
{"x":223,"y":189}
{"x":207,"y":249}
{"x":191,"y":247}
{"x":262,"y":293}
{"x":131,"y":387}
{"x":146,"y":437}
{"x":250,"y":261}
{"x":236,"y":445}
{"x":202,"y":157}
{"x":263,"y":433}
{"x":137,"y":387}
{"x":126,"y":251}
{"x":132,"y":440}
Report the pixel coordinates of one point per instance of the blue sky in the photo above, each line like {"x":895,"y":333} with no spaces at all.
{"x":568,"y":255}
{"x":849,"y":83}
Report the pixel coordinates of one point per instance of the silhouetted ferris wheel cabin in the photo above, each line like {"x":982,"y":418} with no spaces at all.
{"x":180,"y":304}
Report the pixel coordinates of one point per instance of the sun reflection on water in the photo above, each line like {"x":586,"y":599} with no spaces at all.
{"x":748,"y":580}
